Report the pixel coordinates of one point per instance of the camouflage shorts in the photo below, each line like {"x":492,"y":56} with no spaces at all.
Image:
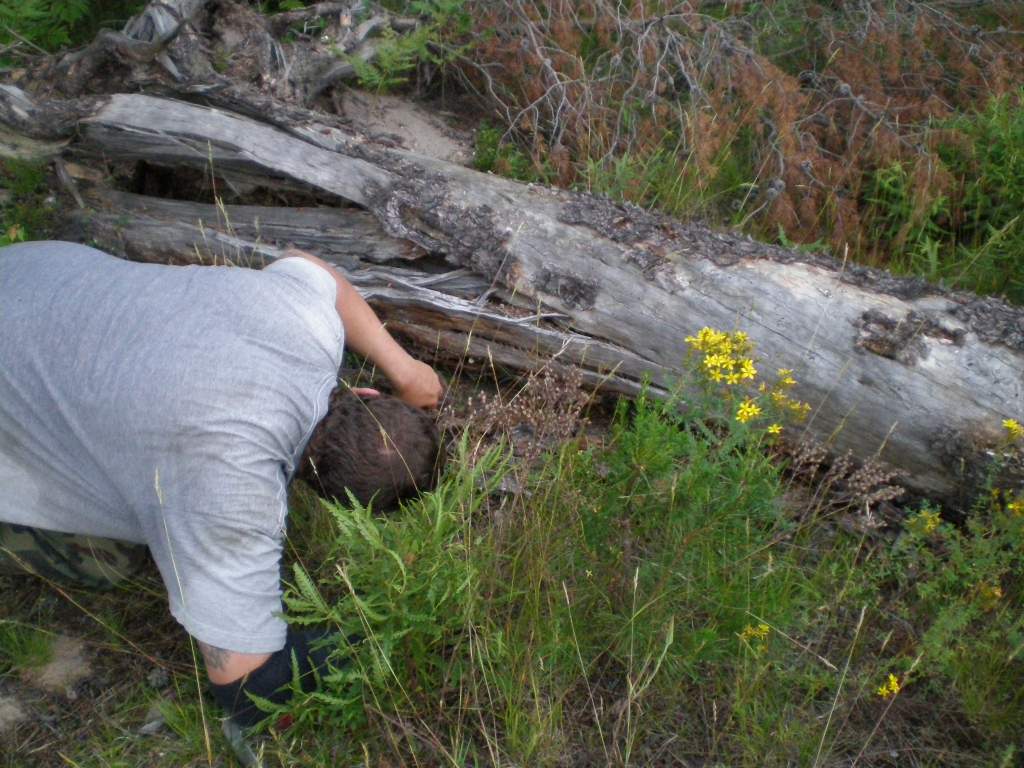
{"x":68,"y":558}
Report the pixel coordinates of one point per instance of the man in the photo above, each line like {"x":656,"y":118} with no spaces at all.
{"x":169,"y":407}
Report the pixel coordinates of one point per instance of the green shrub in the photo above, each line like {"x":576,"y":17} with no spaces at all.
{"x":972,"y":236}
{"x":598,"y":610}
{"x":398,"y":56}
{"x":670,"y":180}
{"x":492,"y":153}
{"x":962,"y":588}
{"x":47,"y":23}
{"x":23,"y":216}
{"x":645,"y":569}
{"x":409,"y":586}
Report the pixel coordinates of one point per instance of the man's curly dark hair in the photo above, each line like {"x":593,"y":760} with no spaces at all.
{"x":377,"y":448}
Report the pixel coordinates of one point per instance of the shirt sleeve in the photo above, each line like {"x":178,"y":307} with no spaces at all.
{"x":305,"y":271}
{"x":313,"y":297}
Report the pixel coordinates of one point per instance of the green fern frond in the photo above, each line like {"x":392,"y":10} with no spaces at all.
{"x":46,"y":23}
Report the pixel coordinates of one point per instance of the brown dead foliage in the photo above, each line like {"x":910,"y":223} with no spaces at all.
{"x":810,"y":97}
{"x":544,"y":411}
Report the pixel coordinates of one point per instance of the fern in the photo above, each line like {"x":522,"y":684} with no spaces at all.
{"x":398,"y":56}
{"x":46,"y":23}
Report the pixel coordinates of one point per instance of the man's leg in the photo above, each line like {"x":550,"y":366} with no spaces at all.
{"x":67,"y":558}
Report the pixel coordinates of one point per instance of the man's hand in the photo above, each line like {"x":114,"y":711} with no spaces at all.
{"x":419,"y":385}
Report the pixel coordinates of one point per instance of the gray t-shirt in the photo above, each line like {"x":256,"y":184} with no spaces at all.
{"x":166,"y":405}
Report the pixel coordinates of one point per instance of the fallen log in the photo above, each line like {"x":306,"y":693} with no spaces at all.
{"x":438,"y":310}
{"x":894,"y":368}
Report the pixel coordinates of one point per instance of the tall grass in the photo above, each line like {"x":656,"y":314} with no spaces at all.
{"x":656,"y":597}
{"x":959,"y":220}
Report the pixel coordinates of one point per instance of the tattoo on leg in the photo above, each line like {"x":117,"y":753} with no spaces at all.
{"x":215,"y":658}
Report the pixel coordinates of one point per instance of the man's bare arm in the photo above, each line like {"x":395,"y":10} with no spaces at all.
{"x":415,"y":382}
{"x":223,"y":666}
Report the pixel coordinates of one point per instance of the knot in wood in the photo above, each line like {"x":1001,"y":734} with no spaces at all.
{"x":901,"y":339}
{"x":574,"y":292}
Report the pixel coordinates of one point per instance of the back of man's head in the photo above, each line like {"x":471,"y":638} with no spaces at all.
{"x":377,"y":448}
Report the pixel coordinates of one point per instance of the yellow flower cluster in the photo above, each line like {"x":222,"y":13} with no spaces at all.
{"x":926,"y":521}
{"x":727,"y":358}
{"x":748,"y":410}
{"x":780,"y":395}
{"x":726,"y":355}
{"x":990,"y":594}
{"x":786,"y":379}
{"x":1006,"y":499}
{"x":751,"y":633}
{"x":890,"y":687}
{"x":1013,"y":429}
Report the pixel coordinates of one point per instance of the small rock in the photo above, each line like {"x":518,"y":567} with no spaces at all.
{"x":11,"y":713}
{"x":243,"y":750}
{"x":154,"y":720}
{"x":158,"y":678}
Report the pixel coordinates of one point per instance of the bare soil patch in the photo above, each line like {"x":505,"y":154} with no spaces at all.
{"x":68,"y":667}
{"x":415,"y":127}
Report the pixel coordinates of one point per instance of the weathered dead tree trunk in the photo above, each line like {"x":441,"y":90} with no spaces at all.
{"x":438,"y":309}
{"x":474,"y":265}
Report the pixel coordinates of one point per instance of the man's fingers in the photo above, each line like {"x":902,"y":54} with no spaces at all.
{"x":365,"y":392}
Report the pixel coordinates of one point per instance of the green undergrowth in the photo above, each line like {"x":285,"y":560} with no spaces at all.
{"x":23,"y":646}
{"x":967,"y":231}
{"x":52,"y":24}
{"x":23,"y":214}
{"x":663,"y":595}
{"x":657,"y":595}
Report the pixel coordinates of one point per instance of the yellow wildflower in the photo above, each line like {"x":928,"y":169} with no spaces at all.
{"x":786,"y":379}
{"x":890,"y":687}
{"x":725,"y":355}
{"x":926,"y":521}
{"x":990,"y":595}
{"x":1013,"y":429}
{"x":707,"y":339}
{"x":800,"y":410}
{"x":751,"y":633}
{"x":1016,"y":506}
{"x":748,"y":410}
{"x":774,"y":429}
